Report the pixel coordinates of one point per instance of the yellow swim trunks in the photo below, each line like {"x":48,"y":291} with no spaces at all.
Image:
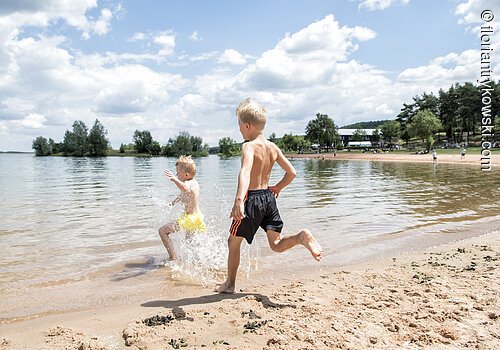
{"x":192,"y":222}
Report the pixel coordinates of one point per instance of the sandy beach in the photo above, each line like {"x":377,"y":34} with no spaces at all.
{"x":445,"y":297}
{"x":470,"y":159}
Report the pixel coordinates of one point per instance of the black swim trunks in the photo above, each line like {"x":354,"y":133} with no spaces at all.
{"x":260,"y":211}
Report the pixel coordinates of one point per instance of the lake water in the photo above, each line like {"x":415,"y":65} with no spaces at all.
{"x":80,"y":232}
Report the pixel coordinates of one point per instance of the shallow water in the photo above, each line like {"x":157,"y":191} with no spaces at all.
{"x":76,"y":232}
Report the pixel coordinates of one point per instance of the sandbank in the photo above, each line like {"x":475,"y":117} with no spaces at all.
{"x":444,"y":297}
{"x":470,"y":159}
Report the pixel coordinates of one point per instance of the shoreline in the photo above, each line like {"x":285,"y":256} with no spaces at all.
{"x":470,"y":159}
{"x":443,"y":297}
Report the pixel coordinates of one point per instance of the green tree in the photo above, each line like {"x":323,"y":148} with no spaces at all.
{"x":142,"y":141}
{"x":185,"y":144}
{"x":69,"y":143}
{"x":272,"y":137}
{"x":97,"y":141}
{"x":423,"y":126}
{"x":288,"y":142}
{"x":154,"y":148}
{"x":291,"y":142}
{"x":376,"y":136}
{"x":469,"y":110}
{"x":122,"y":148}
{"x":358,"y":135}
{"x":42,"y":147}
{"x":75,"y":142}
{"x":390,"y":131}
{"x":427,"y":101}
{"x":180,"y":145}
{"x":322,"y":131}
{"x":448,"y":107}
{"x":496,"y":128}
{"x":228,"y":147}
{"x":196,"y":144}
{"x":56,"y":147}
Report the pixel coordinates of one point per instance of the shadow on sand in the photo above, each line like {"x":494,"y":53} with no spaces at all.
{"x":214,"y":298}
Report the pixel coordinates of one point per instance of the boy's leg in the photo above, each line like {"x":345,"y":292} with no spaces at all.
{"x":233,"y":261}
{"x":164,"y":232}
{"x":280,"y":244}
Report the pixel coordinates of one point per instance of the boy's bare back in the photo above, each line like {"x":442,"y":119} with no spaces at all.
{"x":190,"y":197}
{"x":264,"y":154}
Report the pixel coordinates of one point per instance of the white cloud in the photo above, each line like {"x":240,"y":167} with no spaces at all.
{"x":133,"y":89}
{"x":469,"y":13}
{"x":385,"y":109}
{"x":205,"y":56}
{"x":138,"y":37}
{"x":102,"y":25}
{"x":310,"y":71}
{"x":232,"y":56}
{"x":44,"y":84}
{"x":443,"y":71}
{"x":305,"y":58}
{"x":470,"y":10}
{"x":44,"y":13}
{"x":166,"y":41}
{"x":306,"y":72}
{"x":373,"y":5}
{"x":195,"y":36}
{"x":33,"y":121}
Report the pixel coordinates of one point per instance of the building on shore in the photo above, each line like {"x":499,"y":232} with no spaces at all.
{"x":346,"y":135}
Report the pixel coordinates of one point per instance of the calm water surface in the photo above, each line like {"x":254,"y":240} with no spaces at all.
{"x":78,"y":231}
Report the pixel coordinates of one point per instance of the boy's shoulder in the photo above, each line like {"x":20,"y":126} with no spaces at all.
{"x":256,"y":144}
{"x":191,"y":184}
{"x":251,"y":143}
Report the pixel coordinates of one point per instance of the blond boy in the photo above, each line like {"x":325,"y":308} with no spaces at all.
{"x":255,"y":202}
{"x":192,"y":218}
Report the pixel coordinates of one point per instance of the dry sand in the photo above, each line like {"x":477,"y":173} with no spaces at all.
{"x":472,"y":159}
{"x":446,"y":297}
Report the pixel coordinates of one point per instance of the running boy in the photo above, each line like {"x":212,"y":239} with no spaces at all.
{"x":255,"y":202}
{"x":192,"y":218}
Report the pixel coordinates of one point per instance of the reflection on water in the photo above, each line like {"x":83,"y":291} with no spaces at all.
{"x":80,"y":221}
{"x":377,"y":198}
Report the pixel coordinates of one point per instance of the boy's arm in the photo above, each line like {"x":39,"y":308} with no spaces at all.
{"x":176,"y":200}
{"x":238,"y":211}
{"x":290,"y":173}
{"x":180,"y":185}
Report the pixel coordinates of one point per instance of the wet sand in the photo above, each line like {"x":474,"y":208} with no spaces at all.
{"x":445,"y":297}
{"x":470,"y":159}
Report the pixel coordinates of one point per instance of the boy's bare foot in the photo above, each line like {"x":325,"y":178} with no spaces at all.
{"x":224,"y":288}
{"x":308,"y":241}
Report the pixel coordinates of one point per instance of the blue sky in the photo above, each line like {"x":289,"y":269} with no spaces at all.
{"x":167,"y":66}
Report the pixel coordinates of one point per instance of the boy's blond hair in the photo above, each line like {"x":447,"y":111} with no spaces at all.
{"x":186,"y":164}
{"x":251,"y":112}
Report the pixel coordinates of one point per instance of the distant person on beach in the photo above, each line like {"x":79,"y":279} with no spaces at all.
{"x":434,"y":156}
{"x":255,"y":202}
{"x":462,"y":153}
{"x":192,"y":219}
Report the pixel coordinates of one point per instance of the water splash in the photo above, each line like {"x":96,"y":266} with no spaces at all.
{"x":202,"y":257}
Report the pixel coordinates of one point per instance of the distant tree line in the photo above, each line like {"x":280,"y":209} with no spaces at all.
{"x":182,"y":144}
{"x":79,"y":142}
{"x":365,"y":125}
{"x":94,"y":143}
{"x":458,"y":110}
